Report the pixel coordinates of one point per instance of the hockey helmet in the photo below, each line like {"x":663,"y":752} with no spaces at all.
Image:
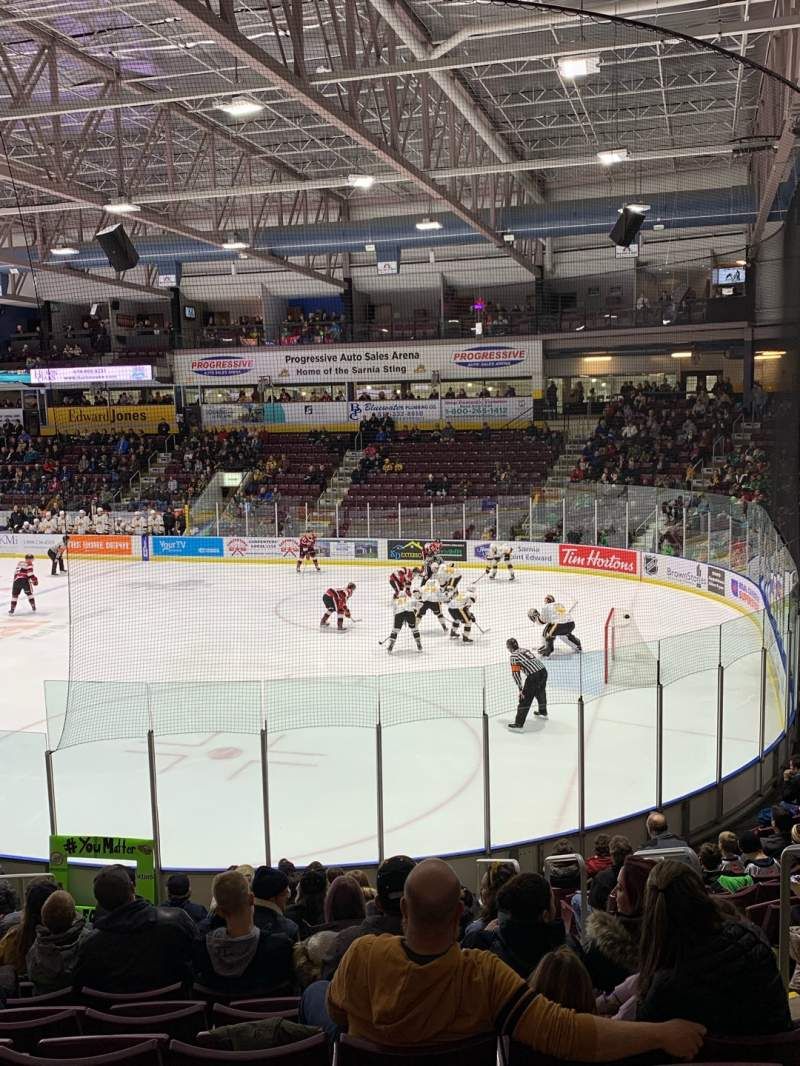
{"x":351,"y":585}
{"x":434,"y":567}
{"x":28,"y":557}
{"x":549,"y":599}
{"x":533,"y":614}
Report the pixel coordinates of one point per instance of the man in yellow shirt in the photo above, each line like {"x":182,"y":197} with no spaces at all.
{"x":423,"y":989}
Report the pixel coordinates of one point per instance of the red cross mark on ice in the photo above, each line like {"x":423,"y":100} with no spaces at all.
{"x":170,"y":754}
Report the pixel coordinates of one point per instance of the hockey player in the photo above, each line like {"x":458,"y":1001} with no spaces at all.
{"x":534,"y":686}
{"x":460,"y":608}
{"x":24,"y":580}
{"x":448,"y":577}
{"x":400,"y":580}
{"x":56,"y":555}
{"x":404,"y":615}
{"x":499,"y":553}
{"x":101,"y":521}
{"x":431,"y":557}
{"x":430,"y":599}
{"x":557,"y":622}
{"x":82,"y":522}
{"x":308,"y":550}
{"x":335,"y":601}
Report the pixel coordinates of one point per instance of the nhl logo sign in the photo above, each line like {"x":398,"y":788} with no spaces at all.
{"x":651,"y":565}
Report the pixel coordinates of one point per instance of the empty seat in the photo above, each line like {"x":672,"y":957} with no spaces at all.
{"x":94,"y":996}
{"x":145,"y":1053}
{"x":181,"y":1023}
{"x":73,"y":1047}
{"x":311,"y":1052}
{"x":25,"y":1025}
{"x":479,"y":1051}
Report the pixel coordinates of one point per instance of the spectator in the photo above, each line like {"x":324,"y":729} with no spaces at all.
{"x":133,"y":946}
{"x":565,"y":876}
{"x":781,"y":836}
{"x":714,"y":877}
{"x":332,"y":873}
{"x":603,"y":883}
{"x":241,"y":958}
{"x":309,"y":908}
{"x":601,"y":858}
{"x":392,"y":874}
{"x":728,"y":844}
{"x":344,"y":904}
{"x":52,"y":956}
{"x":611,"y":941}
{"x":179,"y":890}
{"x":422,"y":990}
{"x":272,"y":891}
{"x":659,"y":836}
{"x":790,"y":788}
{"x":10,"y":913}
{"x":15,"y":944}
{"x":562,"y":978}
{"x":526,"y":926}
{"x":496,"y":875}
{"x":698,"y":963}
{"x":756,"y":864}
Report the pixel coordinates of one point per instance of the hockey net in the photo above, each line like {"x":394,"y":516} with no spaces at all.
{"x":629,"y":661}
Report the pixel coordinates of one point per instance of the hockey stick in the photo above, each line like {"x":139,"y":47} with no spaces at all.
{"x":480,"y":630}
{"x":382,"y":642}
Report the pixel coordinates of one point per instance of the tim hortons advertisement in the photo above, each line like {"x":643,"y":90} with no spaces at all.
{"x":604,"y":560}
{"x":523,"y":552}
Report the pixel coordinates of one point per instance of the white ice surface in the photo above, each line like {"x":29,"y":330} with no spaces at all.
{"x":200,"y":623}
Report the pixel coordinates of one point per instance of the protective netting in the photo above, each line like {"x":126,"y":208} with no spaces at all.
{"x":630,"y":661}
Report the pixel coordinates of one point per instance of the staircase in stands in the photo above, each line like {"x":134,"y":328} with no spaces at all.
{"x":325,"y":508}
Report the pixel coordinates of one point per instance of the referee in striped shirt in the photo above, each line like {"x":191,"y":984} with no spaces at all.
{"x":524,"y":664}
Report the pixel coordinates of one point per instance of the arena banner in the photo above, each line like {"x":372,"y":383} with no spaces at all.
{"x":109,"y":545}
{"x":79,"y":375}
{"x":519,"y":357}
{"x":289,"y":548}
{"x":676,"y":571}
{"x":411,"y":550}
{"x":77,"y":848}
{"x":10,"y":415}
{"x":532,"y":552}
{"x":145,"y":418}
{"x":620,"y":561}
{"x":187,"y":547}
{"x":349,"y":549}
{"x":274,"y":414}
{"x":746,"y":593}
{"x":413,"y":412}
{"x":22,"y":543}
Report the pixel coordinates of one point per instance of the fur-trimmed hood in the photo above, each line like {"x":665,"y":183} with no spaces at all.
{"x":619,"y":942}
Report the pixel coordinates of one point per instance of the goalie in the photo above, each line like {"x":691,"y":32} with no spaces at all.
{"x":557,"y":622}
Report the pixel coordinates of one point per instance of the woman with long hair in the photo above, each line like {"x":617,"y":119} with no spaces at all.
{"x":611,"y":940}
{"x":562,"y":978}
{"x":15,"y":944}
{"x":700,"y":963}
{"x":497,"y":873}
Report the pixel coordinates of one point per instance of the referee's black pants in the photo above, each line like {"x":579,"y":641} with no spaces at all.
{"x":535,"y":688}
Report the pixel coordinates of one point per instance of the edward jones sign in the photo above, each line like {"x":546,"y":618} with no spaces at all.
{"x":604,"y":560}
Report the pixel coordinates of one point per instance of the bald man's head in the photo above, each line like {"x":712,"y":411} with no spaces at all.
{"x":432,"y":898}
{"x":656,"y":824}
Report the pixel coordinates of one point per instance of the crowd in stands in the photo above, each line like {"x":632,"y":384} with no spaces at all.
{"x":653,"y":434}
{"x":672,"y":941}
{"x":316,"y":327}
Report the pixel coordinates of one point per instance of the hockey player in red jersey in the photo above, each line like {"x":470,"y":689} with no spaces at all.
{"x":335,"y":601}
{"x":400,"y":580}
{"x":431,"y":558}
{"x":24,"y":580}
{"x":308,"y":550}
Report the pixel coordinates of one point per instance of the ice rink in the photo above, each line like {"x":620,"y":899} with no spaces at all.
{"x":223,"y":644}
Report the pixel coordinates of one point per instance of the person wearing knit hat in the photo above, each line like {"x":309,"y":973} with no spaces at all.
{"x":611,"y":940}
{"x":271,"y":896}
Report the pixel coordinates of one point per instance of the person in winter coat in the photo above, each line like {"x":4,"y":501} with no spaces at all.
{"x":271,"y":889}
{"x":565,"y":876}
{"x":496,"y":875}
{"x":308,"y":911}
{"x":604,"y":883}
{"x":179,"y":890}
{"x":716,"y":880}
{"x":133,"y":946}
{"x":601,"y":859}
{"x":526,"y":927}
{"x":756,"y":864}
{"x":15,"y":944}
{"x":241,"y":958}
{"x":699,"y":964}
{"x":52,"y":956}
{"x":611,"y":939}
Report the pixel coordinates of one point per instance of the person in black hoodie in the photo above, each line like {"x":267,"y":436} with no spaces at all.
{"x":271,"y":889}
{"x":133,"y":946}
{"x":700,"y":964}
{"x":603,"y":883}
{"x":308,"y":911}
{"x":179,"y":890}
{"x":241,"y":958}
{"x":51,"y":958}
{"x":781,"y":835}
{"x":526,"y":927}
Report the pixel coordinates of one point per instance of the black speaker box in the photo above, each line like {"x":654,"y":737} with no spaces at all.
{"x":118,"y":248}
{"x":627,"y":227}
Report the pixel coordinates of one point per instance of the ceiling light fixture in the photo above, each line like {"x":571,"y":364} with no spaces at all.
{"x":572,"y":67}
{"x":658,"y":226}
{"x":369,"y":247}
{"x":597,"y":359}
{"x":610,"y":156}
{"x":122,"y":207}
{"x":360,"y":181}
{"x":240,"y":106}
{"x":64,"y":249}
{"x":681,"y":355}
{"x":767,"y":355}
{"x":428,"y":224}
{"x":235,"y":243}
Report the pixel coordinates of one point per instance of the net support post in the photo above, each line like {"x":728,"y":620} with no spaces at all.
{"x":431,"y":519}
{"x":719,"y":738}
{"x":497,"y":521}
{"x":730,"y":539}
{"x":530,"y":519}
{"x":708,"y":543}
{"x":379,"y":784}
{"x":276,"y":517}
{"x":595,"y":520}
{"x":659,"y":733}
{"x":464,"y":521}
{"x":265,"y":793}
{"x":368,"y":529}
{"x":152,"y":782}
{"x":51,"y":792}
{"x":216,"y":517}
{"x":306,"y":514}
{"x":337,"y":521}
{"x":762,"y":718}
{"x":399,"y":519}
{"x":487,"y":800}
{"x":581,"y":769}
{"x":564,"y":519}
{"x":683,"y":532}
{"x":627,"y":523}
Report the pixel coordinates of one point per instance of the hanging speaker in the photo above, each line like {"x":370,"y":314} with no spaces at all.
{"x":118,"y":248}
{"x":628,"y":225}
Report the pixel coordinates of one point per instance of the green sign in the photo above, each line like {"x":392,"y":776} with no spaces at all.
{"x":123,"y":849}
